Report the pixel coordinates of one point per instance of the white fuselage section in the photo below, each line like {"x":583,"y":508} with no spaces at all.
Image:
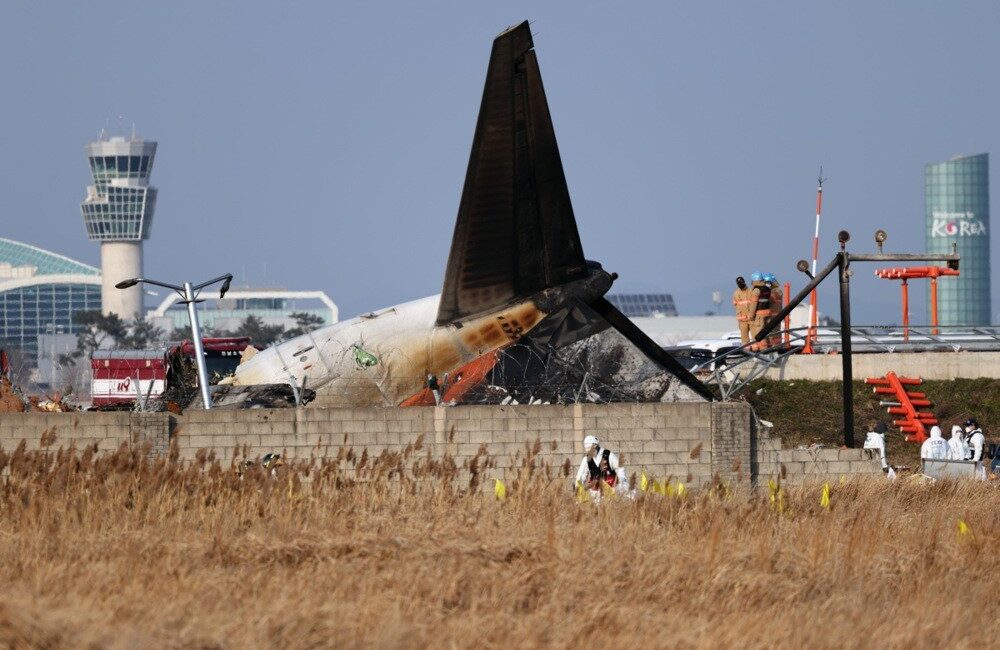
{"x":405,"y":340}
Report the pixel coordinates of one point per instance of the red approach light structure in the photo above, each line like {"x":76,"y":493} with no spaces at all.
{"x":917,"y":273}
{"x":914,"y":423}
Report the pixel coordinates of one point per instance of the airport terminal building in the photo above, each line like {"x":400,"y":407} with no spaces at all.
{"x":957,"y":198}
{"x":271,"y":306}
{"x":39,"y":293}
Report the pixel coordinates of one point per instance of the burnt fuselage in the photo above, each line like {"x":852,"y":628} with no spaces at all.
{"x":408,"y":345}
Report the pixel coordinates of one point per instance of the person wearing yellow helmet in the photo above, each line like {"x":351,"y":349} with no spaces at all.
{"x":763,"y":308}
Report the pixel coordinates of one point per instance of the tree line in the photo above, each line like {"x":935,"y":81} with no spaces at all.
{"x":100,"y":331}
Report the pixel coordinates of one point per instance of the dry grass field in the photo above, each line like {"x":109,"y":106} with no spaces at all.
{"x":119,"y":551}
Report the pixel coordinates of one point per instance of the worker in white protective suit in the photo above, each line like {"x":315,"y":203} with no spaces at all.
{"x":958,"y":448}
{"x":600,"y":464}
{"x":935,"y":447}
{"x":875,"y":441}
{"x":976,"y":440}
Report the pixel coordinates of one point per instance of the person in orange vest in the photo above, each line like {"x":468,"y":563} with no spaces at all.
{"x":762,"y":309}
{"x":777,"y":296}
{"x":745,"y":303}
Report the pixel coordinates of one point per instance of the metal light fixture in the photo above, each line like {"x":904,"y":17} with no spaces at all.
{"x":843,"y":237}
{"x":803,"y":266}
{"x":880,"y":237}
{"x":189,"y":294}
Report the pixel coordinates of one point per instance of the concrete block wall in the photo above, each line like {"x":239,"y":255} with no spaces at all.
{"x":107,"y":430}
{"x":658,"y":439}
{"x":803,"y":466}
{"x":691,"y":442}
{"x":731,"y":442}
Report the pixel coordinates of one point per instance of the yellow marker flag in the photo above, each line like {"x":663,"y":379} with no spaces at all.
{"x":499,"y":489}
{"x":824,"y":501}
{"x":607,"y":491}
{"x":777,"y":496}
{"x":643,"y":482}
{"x":681,"y":490}
{"x":658,"y":487}
{"x":669,"y":489}
{"x":582,"y":495}
{"x":963,"y":529}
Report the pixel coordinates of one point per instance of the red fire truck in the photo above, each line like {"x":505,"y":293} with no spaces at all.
{"x":123,"y":376}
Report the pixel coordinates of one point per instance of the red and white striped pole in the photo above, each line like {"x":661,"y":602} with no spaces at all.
{"x":812,"y":296}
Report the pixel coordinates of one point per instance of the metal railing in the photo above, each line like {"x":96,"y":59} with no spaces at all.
{"x":734,"y":369}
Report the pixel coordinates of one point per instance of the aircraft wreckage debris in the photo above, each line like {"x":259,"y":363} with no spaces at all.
{"x":522,"y":315}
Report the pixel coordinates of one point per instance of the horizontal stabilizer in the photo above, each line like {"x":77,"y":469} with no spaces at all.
{"x":649,"y":347}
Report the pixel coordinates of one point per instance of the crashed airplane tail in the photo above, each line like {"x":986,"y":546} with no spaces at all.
{"x":516,"y":278}
{"x":515,"y":234}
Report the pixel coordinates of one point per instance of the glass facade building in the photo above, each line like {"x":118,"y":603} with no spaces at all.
{"x":643,"y":304}
{"x":957,"y":199}
{"x":39,"y":293}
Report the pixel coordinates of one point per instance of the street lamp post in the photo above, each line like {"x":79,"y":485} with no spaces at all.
{"x":189,"y":296}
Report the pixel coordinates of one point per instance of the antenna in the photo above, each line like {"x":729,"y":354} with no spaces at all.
{"x":807,"y":349}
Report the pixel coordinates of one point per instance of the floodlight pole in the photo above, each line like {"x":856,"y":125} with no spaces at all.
{"x":189,"y":295}
{"x":846,"y":361}
{"x":199,"y":347}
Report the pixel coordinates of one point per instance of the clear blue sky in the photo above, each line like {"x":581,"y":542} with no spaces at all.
{"x":323,"y":145}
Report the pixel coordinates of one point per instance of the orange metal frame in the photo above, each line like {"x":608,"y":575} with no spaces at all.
{"x":914,"y":423}
{"x":917,"y":273}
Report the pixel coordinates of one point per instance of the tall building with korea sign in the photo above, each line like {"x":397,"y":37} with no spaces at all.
{"x":957,"y":199}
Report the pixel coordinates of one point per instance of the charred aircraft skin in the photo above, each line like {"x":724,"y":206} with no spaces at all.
{"x":408,"y":346}
{"x":516,"y":272}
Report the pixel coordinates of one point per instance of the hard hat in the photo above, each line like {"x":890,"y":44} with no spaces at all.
{"x":588,"y":442}
{"x":769,"y":277}
{"x":756,"y":276}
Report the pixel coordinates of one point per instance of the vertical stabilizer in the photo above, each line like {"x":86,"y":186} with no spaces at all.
{"x":516,"y":233}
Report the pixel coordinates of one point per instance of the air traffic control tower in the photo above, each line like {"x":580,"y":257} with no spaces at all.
{"x":117,"y":212}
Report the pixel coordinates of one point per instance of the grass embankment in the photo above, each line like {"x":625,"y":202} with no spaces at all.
{"x":120,"y":552}
{"x":808,"y":412}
